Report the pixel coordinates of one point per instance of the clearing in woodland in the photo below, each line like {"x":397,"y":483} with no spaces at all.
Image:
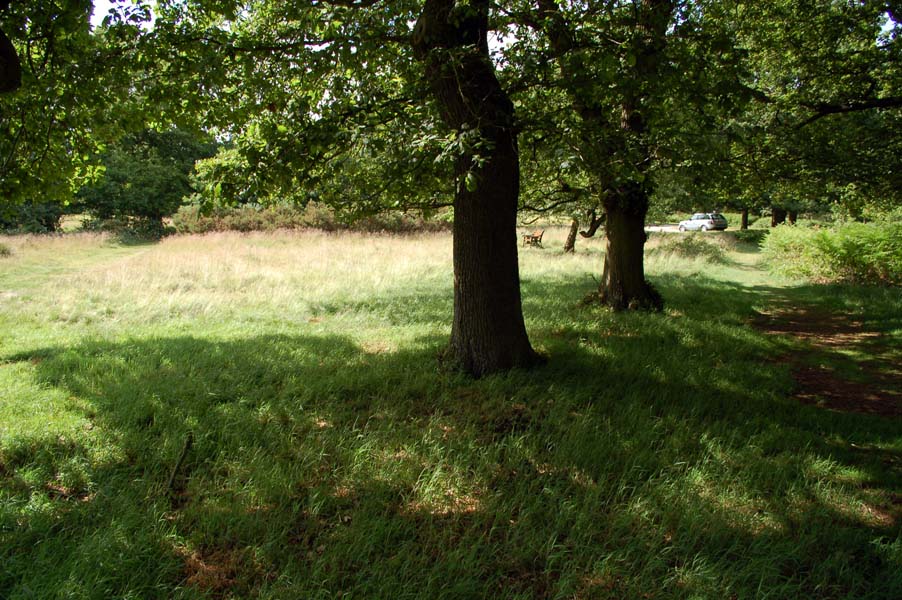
{"x":237,"y":416}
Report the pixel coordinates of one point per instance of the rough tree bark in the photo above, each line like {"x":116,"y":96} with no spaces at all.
{"x":623,"y":285}
{"x":570,"y":244}
{"x":744,"y":223}
{"x":488,"y":333}
{"x":777,"y":216}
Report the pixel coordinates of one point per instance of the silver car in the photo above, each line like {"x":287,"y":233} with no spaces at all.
{"x":704,"y":222}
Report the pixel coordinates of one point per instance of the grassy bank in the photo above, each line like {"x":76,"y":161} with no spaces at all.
{"x":263,"y":416}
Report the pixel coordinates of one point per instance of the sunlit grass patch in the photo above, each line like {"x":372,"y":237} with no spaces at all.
{"x":221,"y":274}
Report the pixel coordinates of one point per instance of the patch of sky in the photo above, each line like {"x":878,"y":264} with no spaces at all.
{"x":102,"y":8}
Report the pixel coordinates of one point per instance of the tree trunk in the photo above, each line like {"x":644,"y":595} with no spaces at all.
{"x":777,"y":216}
{"x":487,"y":333}
{"x":744,"y":224}
{"x":10,"y":67}
{"x":792,"y":216}
{"x":623,"y":285}
{"x":570,"y":244}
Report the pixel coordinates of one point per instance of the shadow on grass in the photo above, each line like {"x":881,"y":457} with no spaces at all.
{"x":655,"y":455}
{"x":878,"y":308}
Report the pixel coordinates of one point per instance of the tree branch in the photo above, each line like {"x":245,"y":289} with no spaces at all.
{"x":548,"y":208}
{"x":822,"y":110}
{"x":347,"y":3}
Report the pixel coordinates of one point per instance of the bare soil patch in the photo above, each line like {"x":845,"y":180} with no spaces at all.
{"x":830,"y":339}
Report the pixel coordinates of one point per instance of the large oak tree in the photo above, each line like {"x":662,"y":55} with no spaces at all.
{"x":488,"y":333}
{"x":348,"y":95}
{"x":624,"y":91}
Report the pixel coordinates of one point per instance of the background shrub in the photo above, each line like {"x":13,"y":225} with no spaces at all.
{"x":690,"y":245}
{"x":130,"y":229}
{"x":748,"y":236}
{"x":5,"y":251}
{"x":145,"y":178}
{"x":33,"y":217}
{"x":190,"y":219}
{"x":759,"y":222}
{"x":858,"y":252}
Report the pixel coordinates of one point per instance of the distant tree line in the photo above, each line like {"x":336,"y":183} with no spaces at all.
{"x":141,"y":179}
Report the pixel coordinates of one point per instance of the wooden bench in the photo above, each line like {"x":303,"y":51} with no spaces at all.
{"x":534,"y":238}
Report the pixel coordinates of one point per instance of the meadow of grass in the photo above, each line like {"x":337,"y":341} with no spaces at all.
{"x":263,"y":415}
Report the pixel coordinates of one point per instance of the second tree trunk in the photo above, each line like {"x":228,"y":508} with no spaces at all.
{"x":623,"y":285}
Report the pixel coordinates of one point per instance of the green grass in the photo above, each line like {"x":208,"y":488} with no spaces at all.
{"x":655,"y":456}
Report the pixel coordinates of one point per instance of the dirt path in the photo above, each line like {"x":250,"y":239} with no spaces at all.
{"x":842,"y":365}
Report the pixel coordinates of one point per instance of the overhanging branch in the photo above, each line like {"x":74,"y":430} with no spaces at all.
{"x":823,"y":109}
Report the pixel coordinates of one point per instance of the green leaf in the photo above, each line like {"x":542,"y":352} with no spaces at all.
{"x":470,"y":182}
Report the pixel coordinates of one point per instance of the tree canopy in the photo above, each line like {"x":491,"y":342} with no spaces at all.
{"x":146,"y":176}
{"x":326,"y":96}
{"x":77,"y":93}
{"x":824,"y":123}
